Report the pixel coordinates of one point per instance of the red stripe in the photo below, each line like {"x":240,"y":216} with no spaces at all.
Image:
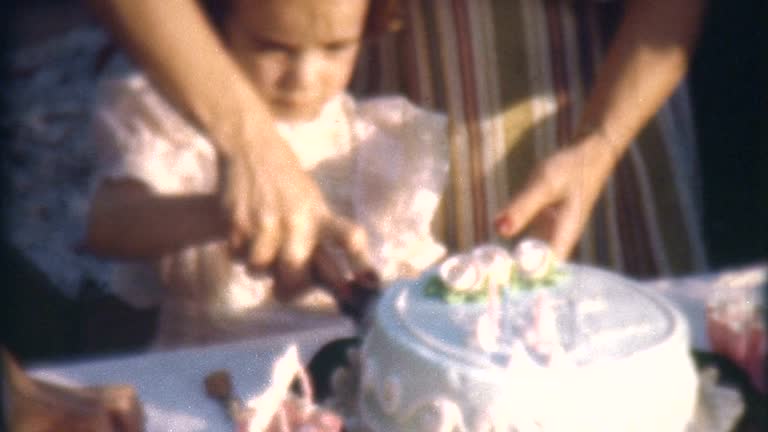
{"x":559,"y":73}
{"x":407,"y":42}
{"x":469,"y":97}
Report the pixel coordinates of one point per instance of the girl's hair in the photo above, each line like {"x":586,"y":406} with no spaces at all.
{"x":384,"y":16}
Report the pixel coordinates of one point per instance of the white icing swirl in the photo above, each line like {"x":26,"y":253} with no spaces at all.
{"x":439,"y":415}
{"x":391,"y":392}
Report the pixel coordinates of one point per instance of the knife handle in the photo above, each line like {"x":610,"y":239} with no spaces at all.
{"x":355,"y":296}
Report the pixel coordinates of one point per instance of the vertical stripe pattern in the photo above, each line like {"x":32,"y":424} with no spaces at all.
{"x":512,"y":75}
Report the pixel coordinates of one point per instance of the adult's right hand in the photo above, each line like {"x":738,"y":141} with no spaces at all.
{"x":280,"y":220}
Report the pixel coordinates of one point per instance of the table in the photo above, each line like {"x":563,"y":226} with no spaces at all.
{"x":170,"y":383}
{"x":691,"y":294}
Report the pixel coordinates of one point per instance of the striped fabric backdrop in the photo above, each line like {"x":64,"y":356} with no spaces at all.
{"x":512,"y":76}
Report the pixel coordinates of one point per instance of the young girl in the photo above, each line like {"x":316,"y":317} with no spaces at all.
{"x":382,"y":163}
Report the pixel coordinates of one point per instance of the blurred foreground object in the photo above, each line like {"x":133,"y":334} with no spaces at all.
{"x":736,"y":330}
{"x":277,"y":409}
{"x":32,"y":405}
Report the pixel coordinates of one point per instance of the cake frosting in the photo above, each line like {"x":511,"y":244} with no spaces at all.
{"x":491,"y":341}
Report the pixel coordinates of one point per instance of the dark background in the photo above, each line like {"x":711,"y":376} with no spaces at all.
{"x":728,"y":81}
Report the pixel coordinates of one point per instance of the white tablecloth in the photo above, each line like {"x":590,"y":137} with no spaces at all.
{"x":170,"y":383}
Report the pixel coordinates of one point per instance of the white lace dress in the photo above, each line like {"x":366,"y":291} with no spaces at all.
{"x":382,"y":162}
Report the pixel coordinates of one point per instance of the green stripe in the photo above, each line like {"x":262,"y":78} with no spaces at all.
{"x":515,"y":89}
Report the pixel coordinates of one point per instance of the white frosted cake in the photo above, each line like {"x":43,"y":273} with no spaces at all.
{"x":484,"y":343}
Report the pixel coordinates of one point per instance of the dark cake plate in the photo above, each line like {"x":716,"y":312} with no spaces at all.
{"x":330,"y":357}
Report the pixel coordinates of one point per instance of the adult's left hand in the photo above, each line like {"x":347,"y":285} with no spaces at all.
{"x":557,"y":201}
{"x":646,"y":61}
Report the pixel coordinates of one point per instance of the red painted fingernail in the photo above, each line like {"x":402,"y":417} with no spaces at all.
{"x":503,"y":224}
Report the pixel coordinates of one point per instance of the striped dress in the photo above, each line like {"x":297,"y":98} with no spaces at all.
{"x":512,"y":76}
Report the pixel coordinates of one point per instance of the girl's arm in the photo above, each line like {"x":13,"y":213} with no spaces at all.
{"x":646,"y":61}
{"x":127,"y":220}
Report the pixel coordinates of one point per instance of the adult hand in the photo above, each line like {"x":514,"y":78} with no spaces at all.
{"x":280,"y":219}
{"x":558,"y":198}
{"x":646,"y":61}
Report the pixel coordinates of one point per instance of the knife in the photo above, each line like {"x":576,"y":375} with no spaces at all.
{"x":358,"y":298}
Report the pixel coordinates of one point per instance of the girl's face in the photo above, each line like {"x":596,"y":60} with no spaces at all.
{"x":298,"y":53}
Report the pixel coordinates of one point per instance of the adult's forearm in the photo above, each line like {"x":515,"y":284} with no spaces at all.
{"x":646,"y":61}
{"x":142,"y":225}
{"x":177,"y":47}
